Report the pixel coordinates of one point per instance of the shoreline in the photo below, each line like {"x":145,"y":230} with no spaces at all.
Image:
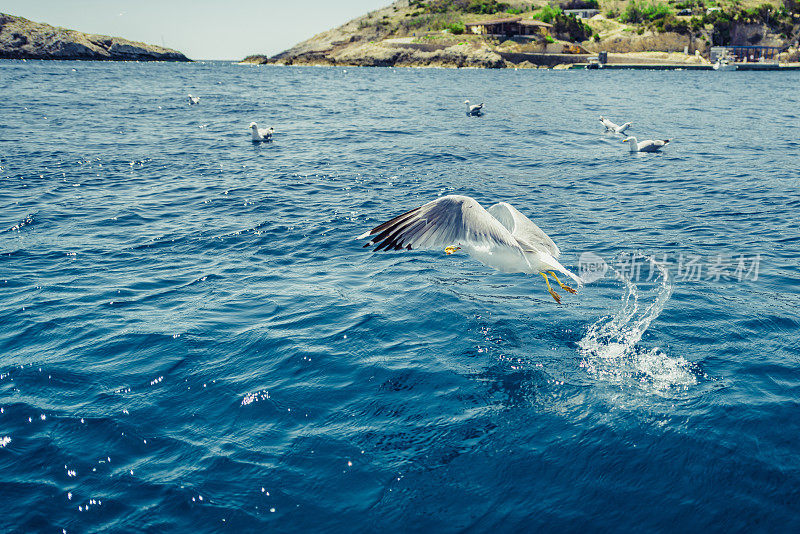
{"x":578,"y":65}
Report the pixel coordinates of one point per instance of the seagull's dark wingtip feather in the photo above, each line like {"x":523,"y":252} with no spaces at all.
{"x":391,"y":222}
{"x":382,"y":246}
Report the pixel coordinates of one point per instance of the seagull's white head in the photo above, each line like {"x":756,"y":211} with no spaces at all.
{"x":253,"y":125}
{"x":466,"y":102}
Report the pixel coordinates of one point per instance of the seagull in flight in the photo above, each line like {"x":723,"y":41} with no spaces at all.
{"x":500,"y":237}
{"x":614,"y":127}
{"x":263,"y":134}
{"x":193,"y":99}
{"x":646,"y":146}
{"x":474,"y":110}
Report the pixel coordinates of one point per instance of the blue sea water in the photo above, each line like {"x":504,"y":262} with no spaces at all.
{"x":192,"y":339}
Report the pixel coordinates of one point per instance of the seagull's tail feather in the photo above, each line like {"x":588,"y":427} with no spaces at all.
{"x":554,"y":264}
{"x":666,"y":141}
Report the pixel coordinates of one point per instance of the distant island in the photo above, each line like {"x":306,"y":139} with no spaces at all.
{"x":535,"y":33}
{"x":23,"y":39}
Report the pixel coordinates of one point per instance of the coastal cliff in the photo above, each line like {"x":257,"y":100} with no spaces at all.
{"x":445,"y":33}
{"x":23,"y":39}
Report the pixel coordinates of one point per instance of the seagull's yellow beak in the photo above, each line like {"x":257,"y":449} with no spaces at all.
{"x":449,"y":250}
{"x":625,"y":140}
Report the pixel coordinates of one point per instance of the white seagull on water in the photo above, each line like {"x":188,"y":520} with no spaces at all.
{"x":614,"y":127}
{"x":263,"y":134}
{"x":646,"y":146}
{"x":500,"y":237}
{"x":474,"y":110}
{"x":193,"y":99}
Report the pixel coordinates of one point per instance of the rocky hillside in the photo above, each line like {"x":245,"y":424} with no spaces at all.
{"x":22,"y":39}
{"x":433,"y":32}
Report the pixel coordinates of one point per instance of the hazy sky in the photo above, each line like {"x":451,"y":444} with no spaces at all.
{"x":201,"y":29}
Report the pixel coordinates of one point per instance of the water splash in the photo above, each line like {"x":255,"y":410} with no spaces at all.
{"x":610,"y":351}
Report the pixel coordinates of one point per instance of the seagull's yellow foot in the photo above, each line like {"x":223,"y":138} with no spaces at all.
{"x":565,"y":287}
{"x":550,"y":289}
{"x":449,"y":250}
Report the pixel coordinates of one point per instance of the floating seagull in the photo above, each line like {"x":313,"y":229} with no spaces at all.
{"x":646,"y":146}
{"x":193,"y":99}
{"x":500,"y":237}
{"x":264,"y":134}
{"x":613,"y":127}
{"x":474,"y":110}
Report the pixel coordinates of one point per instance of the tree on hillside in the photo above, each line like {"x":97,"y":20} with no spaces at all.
{"x":481,"y":7}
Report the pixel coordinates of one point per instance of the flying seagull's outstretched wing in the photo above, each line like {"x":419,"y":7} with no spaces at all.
{"x":449,"y":220}
{"x":523,"y":228}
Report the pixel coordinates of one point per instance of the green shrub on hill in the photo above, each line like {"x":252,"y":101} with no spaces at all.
{"x":671,"y":24}
{"x":479,"y":7}
{"x":456,"y":28}
{"x":565,"y":26}
{"x":689,"y":4}
{"x":638,"y":12}
{"x":696,"y":24}
{"x":486,"y":7}
{"x":781,"y":20}
{"x":721,"y":23}
{"x":580,"y":4}
{"x":548,"y":14}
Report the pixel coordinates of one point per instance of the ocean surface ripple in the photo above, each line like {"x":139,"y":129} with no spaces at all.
{"x":191,"y":337}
